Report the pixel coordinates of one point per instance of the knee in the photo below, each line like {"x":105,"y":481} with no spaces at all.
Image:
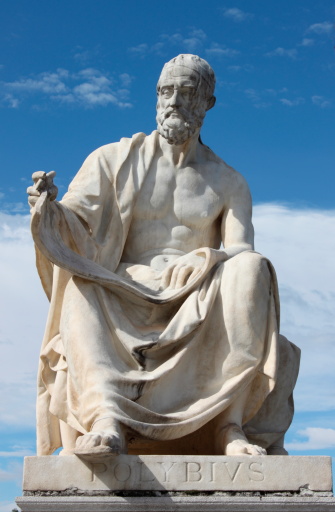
{"x":250,"y":260}
{"x":250,"y":266}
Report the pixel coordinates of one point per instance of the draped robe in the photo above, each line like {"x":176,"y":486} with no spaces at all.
{"x":162,"y":362}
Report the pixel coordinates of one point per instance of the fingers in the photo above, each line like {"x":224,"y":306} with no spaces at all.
{"x":179,"y":275}
{"x":32,"y":201}
{"x":39,"y":175}
{"x":195,"y":272}
{"x":32,"y":191}
{"x":42,"y":181}
{"x":166,"y":277}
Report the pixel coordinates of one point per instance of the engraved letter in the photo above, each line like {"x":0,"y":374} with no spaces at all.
{"x":193,"y":472}
{"x":233,"y":474}
{"x":97,"y":468}
{"x":166,"y":471}
{"x":145,"y":473}
{"x":122,"y":472}
{"x":212,"y":471}
{"x":256,"y":469}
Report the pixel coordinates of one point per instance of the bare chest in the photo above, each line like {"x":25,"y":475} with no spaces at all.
{"x":186,"y":195}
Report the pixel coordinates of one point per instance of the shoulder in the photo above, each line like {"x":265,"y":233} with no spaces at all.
{"x":231,"y":180}
{"x":124,"y":144}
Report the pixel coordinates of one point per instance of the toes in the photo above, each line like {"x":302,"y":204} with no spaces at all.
{"x":113,"y":441}
{"x":254,"y":449}
{"x":238,"y":447}
{"x":88,"y":441}
{"x":110,"y":440}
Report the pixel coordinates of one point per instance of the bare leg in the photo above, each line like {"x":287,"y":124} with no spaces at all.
{"x":69,"y":437}
{"x":106,"y":438}
{"x":230,"y":438}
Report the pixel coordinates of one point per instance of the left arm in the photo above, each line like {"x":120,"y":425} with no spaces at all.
{"x":237,"y":232}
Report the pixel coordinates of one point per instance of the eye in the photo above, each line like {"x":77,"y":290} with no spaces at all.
{"x":187,"y":92}
{"x":167,"y":92}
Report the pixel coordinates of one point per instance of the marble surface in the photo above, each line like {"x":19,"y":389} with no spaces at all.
{"x":155,"y":330}
{"x":178,"y":473}
{"x":177,"y":504}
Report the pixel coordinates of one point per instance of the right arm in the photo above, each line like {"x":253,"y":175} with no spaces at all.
{"x":42,"y":182}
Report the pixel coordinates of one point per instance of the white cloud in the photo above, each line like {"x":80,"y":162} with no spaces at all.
{"x":321,"y":28}
{"x":126,"y":79}
{"x":320,"y":101}
{"x":13,"y":207}
{"x":236,"y":14}
{"x":218,"y":50}
{"x":84,"y":56}
{"x":10,"y":101}
{"x":17,"y":453}
{"x":282,"y":52}
{"x":48,"y":83}
{"x":317,"y":439}
{"x":140,"y":50}
{"x":244,"y":67}
{"x":307,"y":42}
{"x":292,"y":103}
{"x":13,"y":472}
{"x":22,"y":317}
{"x":192,"y":41}
{"x":89,"y":88}
{"x":301,"y":243}
{"x":257,"y":98}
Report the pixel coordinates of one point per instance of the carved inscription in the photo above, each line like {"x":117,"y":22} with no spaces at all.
{"x":166,"y":466}
{"x":231,"y":470}
{"x":178,"y":473}
{"x":154,"y":473}
{"x":193,"y":471}
{"x":122,"y":472}
{"x":145,"y":474}
{"x":96,"y":469}
{"x":256,"y":471}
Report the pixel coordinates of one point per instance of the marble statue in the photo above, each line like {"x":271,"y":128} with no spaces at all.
{"x":155,"y":329}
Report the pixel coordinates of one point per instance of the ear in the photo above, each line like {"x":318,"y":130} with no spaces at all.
{"x":211,"y":103}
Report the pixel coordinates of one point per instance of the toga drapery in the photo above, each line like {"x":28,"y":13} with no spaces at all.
{"x":163,"y":363}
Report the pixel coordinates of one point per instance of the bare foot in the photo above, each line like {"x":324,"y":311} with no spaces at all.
{"x":107,"y":438}
{"x":234,"y":442}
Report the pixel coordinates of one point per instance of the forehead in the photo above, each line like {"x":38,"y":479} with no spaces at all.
{"x":178,"y":74}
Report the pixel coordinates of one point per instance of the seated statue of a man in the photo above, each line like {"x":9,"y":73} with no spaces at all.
{"x":163,"y":320}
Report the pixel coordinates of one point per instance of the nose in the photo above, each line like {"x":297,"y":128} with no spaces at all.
{"x":175,"y":99}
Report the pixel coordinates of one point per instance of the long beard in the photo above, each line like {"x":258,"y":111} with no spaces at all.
{"x":177,"y":130}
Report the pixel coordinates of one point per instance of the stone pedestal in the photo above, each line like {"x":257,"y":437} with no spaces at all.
{"x":170,"y":482}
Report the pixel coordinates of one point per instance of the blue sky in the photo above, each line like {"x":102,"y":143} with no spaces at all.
{"x":75,"y":75}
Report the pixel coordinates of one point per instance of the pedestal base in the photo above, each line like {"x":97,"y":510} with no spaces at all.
{"x":177,"y":503}
{"x":177,"y":473}
{"x":151,"y":483}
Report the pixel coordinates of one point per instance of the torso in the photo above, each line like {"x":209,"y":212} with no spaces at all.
{"x":177,"y":210}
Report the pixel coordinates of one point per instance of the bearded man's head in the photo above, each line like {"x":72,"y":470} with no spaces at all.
{"x":184,"y":94}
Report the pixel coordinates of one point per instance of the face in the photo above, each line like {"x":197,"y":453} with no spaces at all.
{"x":181,"y":106}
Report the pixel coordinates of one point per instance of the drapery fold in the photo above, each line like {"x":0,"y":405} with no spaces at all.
{"x":162,"y":362}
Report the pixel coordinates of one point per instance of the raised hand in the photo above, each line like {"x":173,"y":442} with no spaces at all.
{"x":43,"y":182}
